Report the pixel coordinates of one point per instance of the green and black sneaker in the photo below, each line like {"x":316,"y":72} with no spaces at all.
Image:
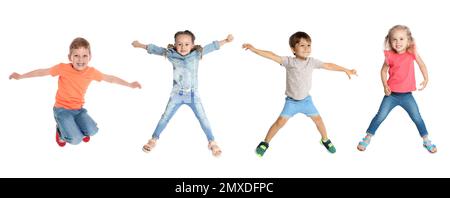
{"x":329,"y":146}
{"x":261,"y":148}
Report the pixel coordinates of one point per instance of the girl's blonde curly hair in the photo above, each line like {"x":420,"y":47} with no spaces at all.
{"x":411,"y":43}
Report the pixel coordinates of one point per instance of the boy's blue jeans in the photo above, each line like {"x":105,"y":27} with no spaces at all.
{"x":177,"y":99}
{"x":74,"y":124}
{"x":407,"y":102}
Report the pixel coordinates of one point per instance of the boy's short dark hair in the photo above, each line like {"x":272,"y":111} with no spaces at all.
{"x":78,"y":43}
{"x":296,"y":37}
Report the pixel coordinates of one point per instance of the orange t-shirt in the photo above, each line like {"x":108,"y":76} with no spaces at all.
{"x":72,"y":84}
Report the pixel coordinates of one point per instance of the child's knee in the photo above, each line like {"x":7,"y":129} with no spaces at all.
{"x":381,"y":115}
{"x":91,"y":130}
{"x":165,"y":117}
{"x":417,"y":119}
{"x":74,"y":140}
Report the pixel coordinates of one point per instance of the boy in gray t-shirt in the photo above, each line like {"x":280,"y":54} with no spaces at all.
{"x":298,"y":83}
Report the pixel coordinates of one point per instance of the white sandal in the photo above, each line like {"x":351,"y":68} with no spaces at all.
{"x":215,"y":149}
{"x":149,"y":146}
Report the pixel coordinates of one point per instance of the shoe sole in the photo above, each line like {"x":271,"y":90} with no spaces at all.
{"x":260,"y":153}
{"x":429,"y":150}
{"x":86,"y":140}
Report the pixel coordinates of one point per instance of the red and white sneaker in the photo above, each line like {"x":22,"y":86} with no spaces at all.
{"x":59,"y":141}
{"x":86,"y":139}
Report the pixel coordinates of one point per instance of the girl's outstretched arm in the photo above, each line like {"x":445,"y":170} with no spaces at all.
{"x":266,"y":54}
{"x":137,"y":44}
{"x":117,"y":80}
{"x":227,"y":40}
{"x":424,"y":71}
{"x":35,"y":73}
{"x":150,"y":48}
{"x":334,"y":67}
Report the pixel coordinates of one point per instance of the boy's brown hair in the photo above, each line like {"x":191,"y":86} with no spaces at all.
{"x":78,"y":43}
{"x":296,"y":37}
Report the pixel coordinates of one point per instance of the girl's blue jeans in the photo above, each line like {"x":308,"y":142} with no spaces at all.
{"x":193,"y":101}
{"x":404,"y":100}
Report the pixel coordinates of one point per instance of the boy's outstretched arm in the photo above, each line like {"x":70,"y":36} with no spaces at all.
{"x":117,"y":80}
{"x":227,"y":40}
{"x":265,"y":54}
{"x":35,"y":73}
{"x":334,"y":67}
{"x":137,"y":44}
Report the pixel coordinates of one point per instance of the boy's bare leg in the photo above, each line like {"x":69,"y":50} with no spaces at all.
{"x":279,"y":123}
{"x":320,"y":126}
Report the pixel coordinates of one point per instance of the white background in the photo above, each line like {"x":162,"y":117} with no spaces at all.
{"x":242,"y":93}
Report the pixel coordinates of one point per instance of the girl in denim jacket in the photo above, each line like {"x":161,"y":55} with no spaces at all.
{"x":184,"y":56}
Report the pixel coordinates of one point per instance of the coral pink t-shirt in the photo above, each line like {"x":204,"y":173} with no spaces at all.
{"x":401,"y":71}
{"x":72,"y":84}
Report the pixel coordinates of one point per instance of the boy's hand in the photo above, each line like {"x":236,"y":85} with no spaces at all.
{"x":247,"y":46}
{"x":15,"y":76}
{"x":135,"y":84}
{"x":229,"y":38}
{"x":350,"y":72}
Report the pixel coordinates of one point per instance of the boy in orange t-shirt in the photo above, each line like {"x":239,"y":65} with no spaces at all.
{"x":73,"y":123}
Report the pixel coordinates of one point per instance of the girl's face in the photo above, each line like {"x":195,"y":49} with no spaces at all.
{"x":399,"y":41}
{"x":302,"y":49}
{"x":183,"y":44}
{"x":80,"y":58}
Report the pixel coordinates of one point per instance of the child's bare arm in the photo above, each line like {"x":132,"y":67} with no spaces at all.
{"x":424,"y":71}
{"x":117,"y":80}
{"x":263,"y":53}
{"x":334,"y":67}
{"x":383,"y":72}
{"x":35,"y":73}
{"x":137,"y":44}
{"x":227,"y":40}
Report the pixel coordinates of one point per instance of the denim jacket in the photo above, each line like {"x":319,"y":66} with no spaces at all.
{"x":185,"y":68}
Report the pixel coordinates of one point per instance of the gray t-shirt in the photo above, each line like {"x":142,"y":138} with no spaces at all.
{"x":299,"y":75}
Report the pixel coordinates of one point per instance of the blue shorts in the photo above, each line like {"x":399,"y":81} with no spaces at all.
{"x":305,"y":106}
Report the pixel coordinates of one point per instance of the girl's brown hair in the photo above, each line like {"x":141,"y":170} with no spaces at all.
{"x":197,"y":48}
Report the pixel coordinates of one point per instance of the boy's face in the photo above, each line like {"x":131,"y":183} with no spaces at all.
{"x":80,"y":58}
{"x":302,"y":49}
{"x":399,"y":41}
{"x":183,"y":44}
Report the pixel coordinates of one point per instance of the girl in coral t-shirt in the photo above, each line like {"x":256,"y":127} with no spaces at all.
{"x":400,"y":55}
